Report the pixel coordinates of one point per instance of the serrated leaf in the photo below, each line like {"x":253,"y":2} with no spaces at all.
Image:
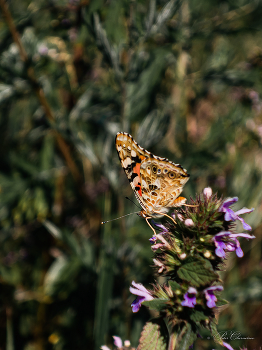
{"x":174,"y":285}
{"x":221,"y":302}
{"x":186,"y":338}
{"x":216,"y":336}
{"x":198,"y":272}
{"x":154,"y":336}
{"x":156,"y":304}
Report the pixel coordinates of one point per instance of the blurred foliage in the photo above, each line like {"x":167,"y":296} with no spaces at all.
{"x":184,"y":78}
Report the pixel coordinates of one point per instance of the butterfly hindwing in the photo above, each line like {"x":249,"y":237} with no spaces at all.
{"x":156,"y":181}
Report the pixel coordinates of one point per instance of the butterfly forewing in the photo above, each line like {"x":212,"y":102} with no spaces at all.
{"x":156,"y":181}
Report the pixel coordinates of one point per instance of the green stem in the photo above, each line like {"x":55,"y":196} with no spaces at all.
{"x":172,"y":341}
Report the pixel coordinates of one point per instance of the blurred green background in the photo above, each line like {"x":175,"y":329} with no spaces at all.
{"x":185,"y":79}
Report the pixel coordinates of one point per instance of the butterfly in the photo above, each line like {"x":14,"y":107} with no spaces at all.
{"x":156,"y":182}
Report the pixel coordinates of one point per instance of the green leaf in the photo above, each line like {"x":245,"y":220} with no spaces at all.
{"x":198,"y":272}
{"x":198,"y":316}
{"x":221,"y":302}
{"x":216,"y":336}
{"x":174,"y":285}
{"x":47,"y":152}
{"x":186,"y":338}
{"x":154,"y":336}
{"x":156,"y":304}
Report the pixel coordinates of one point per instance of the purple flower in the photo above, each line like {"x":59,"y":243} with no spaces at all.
{"x":227,"y":241}
{"x":104,"y":347}
{"x":117,"y":341}
{"x":230,"y":215}
{"x":226,"y":345}
{"x":153,"y":239}
{"x":142,"y":293}
{"x":190,"y":297}
{"x":162,"y":227}
{"x":210,"y":296}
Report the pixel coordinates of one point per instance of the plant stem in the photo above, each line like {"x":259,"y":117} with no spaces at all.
{"x":172,"y":341}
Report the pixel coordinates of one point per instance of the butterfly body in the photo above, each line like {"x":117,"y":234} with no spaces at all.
{"x":156,"y":182}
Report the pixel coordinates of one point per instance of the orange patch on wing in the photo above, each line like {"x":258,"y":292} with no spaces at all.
{"x":136,"y":169}
{"x":139,"y":191}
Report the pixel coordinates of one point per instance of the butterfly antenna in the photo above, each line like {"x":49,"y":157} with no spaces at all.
{"x":133,"y":202}
{"x":120,"y":217}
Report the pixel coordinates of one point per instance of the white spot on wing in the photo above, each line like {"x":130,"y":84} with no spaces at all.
{"x":126,"y":162}
{"x":144,"y":184}
{"x":120,"y":137}
{"x":133,"y":153}
{"x":136,"y":180}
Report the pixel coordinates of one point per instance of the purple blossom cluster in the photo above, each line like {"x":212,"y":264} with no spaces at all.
{"x":226,"y":241}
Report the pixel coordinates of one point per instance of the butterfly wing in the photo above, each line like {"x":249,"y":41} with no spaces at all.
{"x":162,"y":182}
{"x":156,"y":181}
{"x":131,"y":155}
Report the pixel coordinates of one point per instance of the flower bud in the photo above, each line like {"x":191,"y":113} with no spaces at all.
{"x":189,"y":222}
{"x":207,"y":192}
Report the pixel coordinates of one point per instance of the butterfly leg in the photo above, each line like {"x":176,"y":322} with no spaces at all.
{"x":146,"y":218}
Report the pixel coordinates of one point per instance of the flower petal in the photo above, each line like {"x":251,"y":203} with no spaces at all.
{"x":227,"y":203}
{"x":117,"y":341}
{"x":161,"y":226}
{"x":245,"y":225}
{"x":141,"y":291}
{"x":226,"y":345}
{"x":222,"y":233}
{"x":239,"y":252}
{"x":136,"y":304}
{"x":244,"y":211}
{"x":245,"y":235}
{"x":220,"y":252}
{"x":211,"y":303}
{"x":230,"y":215}
{"x":192,"y":290}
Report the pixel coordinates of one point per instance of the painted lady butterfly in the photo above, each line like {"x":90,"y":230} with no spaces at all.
{"x":156,"y":181}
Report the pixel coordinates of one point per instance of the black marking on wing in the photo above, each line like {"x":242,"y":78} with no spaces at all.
{"x":136,"y":159}
{"x":133,"y":176}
